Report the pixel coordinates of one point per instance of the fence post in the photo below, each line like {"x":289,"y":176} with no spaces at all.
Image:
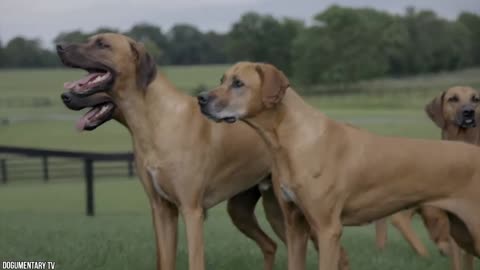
{"x":3,"y":167}
{"x":88,"y":168}
{"x":45,"y":168}
{"x":130,"y":167}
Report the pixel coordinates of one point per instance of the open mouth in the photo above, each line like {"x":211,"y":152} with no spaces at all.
{"x":95,"y":117}
{"x":95,"y":80}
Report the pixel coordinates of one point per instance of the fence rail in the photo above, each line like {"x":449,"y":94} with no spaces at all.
{"x":19,"y":163}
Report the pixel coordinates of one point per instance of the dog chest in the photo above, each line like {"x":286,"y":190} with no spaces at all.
{"x":155,"y":179}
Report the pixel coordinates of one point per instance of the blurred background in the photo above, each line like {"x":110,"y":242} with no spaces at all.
{"x":369,"y":62}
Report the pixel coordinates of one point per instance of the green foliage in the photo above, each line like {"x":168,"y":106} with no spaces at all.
{"x":472,"y":22}
{"x":344,"y":45}
{"x":435,"y":44}
{"x":341,"y":46}
{"x":2,"y":56}
{"x":23,"y":53}
{"x":74,"y":36}
{"x":153,"y":38}
{"x":188,"y":45}
{"x":263,"y":38}
{"x":347,"y":45}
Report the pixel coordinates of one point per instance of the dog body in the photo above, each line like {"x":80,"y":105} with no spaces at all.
{"x":332,"y":174}
{"x":186,"y":163}
{"x":455,"y":112}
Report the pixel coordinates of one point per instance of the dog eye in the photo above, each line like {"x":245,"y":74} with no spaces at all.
{"x":453,"y":99}
{"x":237,"y":83}
{"x":101,"y":44}
{"x":475,"y":99}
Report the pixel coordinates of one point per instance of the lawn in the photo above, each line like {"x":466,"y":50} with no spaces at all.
{"x":46,"y":221}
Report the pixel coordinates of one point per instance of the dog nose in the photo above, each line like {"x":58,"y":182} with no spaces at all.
{"x":66,"y":98}
{"x":468,"y":113}
{"x":202,"y":98}
{"x":60,"y":47}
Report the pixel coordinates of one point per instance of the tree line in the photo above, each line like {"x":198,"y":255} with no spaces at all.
{"x":342,"y":44}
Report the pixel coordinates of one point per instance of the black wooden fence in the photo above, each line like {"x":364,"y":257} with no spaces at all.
{"x":19,"y":164}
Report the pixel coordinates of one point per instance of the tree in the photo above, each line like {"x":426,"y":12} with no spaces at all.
{"x":344,"y":45}
{"x":436,"y":44}
{"x":186,"y":45}
{"x":215,"y":52}
{"x":2,"y":56}
{"x":263,"y":39}
{"x":396,"y":45}
{"x":145,"y":31}
{"x":22,"y":52}
{"x":472,"y":23}
{"x":73,"y":36}
{"x":313,"y":54}
{"x":104,"y":29}
{"x":153,"y":38}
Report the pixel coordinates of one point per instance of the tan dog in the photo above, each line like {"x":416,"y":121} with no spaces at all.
{"x":455,"y":112}
{"x":331,"y":174}
{"x":185,"y":162}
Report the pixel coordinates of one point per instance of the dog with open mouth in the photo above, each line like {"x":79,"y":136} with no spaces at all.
{"x":100,"y":77}
{"x":328,"y":174}
{"x":177,"y":157}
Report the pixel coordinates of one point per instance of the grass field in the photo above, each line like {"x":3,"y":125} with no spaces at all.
{"x":46,"y":221}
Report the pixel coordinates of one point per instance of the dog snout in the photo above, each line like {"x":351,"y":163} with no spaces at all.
{"x":60,"y":47}
{"x":203,"y":98}
{"x":468,"y":113}
{"x":66,"y":98}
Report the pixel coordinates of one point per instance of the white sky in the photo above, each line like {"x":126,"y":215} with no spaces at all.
{"x":44,"y":19}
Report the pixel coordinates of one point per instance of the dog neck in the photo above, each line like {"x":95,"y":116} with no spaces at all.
{"x":151,"y":113}
{"x":456,"y":133}
{"x":291,"y":117}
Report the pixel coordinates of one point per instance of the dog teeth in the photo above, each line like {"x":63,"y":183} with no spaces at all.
{"x":99,"y":78}
{"x":103,"y":109}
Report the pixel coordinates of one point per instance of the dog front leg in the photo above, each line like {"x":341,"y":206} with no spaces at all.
{"x":194,"y":218}
{"x":329,"y":247}
{"x":165,"y":220}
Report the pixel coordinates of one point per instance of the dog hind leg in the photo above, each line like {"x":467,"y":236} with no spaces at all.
{"x":241,"y":209}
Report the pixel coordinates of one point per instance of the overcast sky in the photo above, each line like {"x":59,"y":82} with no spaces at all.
{"x":44,"y":19}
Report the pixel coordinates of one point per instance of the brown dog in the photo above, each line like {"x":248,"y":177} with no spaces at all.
{"x":455,"y":112}
{"x":331,"y":174}
{"x":185,"y":162}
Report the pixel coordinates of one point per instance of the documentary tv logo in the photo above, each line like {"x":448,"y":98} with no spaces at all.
{"x":16,"y":265}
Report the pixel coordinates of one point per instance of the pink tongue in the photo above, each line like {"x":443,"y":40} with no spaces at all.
{"x":79,"y":84}
{"x":82,"y":122}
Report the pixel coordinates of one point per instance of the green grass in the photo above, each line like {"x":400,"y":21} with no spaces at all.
{"x":46,"y":221}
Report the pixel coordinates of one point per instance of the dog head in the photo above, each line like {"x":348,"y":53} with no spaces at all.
{"x":245,"y":90}
{"x":457,"y":106}
{"x":113,"y":63}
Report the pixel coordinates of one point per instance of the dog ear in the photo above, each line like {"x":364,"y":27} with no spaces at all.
{"x":274,"y":84}
{"x":434,"y":110}
{"x":146,"y":66}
